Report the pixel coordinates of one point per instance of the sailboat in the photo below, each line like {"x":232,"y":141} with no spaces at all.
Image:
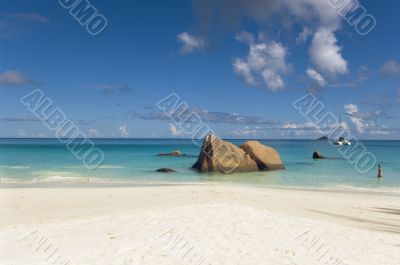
{"x":341,"y":140}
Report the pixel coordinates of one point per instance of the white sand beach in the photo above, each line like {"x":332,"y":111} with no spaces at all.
{"x":197,"y":224}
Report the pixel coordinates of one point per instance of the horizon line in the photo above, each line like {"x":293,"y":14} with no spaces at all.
{"x":155,"y":138}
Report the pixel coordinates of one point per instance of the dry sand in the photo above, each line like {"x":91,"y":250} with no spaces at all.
{"x":197,"y":224}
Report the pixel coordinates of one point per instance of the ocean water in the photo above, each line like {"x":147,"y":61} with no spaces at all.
{"x":135,"y":161}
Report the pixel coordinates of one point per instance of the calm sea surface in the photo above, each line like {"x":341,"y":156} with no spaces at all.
{"x":135,"y":160}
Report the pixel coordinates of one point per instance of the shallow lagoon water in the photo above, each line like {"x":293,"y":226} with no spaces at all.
{"x":135,"y":160}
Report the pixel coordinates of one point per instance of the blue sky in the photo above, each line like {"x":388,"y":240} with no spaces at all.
{"x":238,"y":65}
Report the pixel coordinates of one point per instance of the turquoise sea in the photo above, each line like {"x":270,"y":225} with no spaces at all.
{"x":135,"y":161}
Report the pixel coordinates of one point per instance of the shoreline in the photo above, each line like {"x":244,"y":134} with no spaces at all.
{"x":339,"y":188}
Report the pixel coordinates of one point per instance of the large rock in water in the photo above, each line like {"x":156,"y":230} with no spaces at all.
{"x":221,"y":156}
{"x":267,"y":158}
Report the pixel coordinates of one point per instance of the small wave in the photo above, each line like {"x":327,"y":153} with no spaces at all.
{"x":14,"y":167}
{"x":383,"y":189}
{"x":100,"y":167}
{"x":13,"y":181}
{"x":110,"y":167}
{"x":61,"y":179}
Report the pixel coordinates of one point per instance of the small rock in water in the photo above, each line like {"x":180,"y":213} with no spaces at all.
{"x":317,"y":155}
{"x":165,"y":170}
{"x":174,"y":153}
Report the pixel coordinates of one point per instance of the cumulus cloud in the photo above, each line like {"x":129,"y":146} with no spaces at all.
{"x":13,"y":78}
{"x":317,"y":18}
{"x":302,"y":126}
{"x":228,"y":15}
{"x":243,"y":69}
{"x":367,"y":122}
{"x":317,"y":80}
{"x":317,"y":77}
{"x":286,"y":129}
{"x":352,"y":111}
{"x":94,"y":132}
{"x":190,"y":43}
{"x":123,"y":131}
{"x":266,"y":60}
{"x":175,"y":131}
{"x":391,"y":68}
{"x":304,"y":35}
{"x":246,"y":132}
{"x":325,"y":53}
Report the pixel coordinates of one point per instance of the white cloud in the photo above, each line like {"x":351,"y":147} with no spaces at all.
{"x":272,"y":79}
{"x":230,"y":13}
{"x":94,"y":132}
{"x":326,"y":54}
{"x":351,"y":108}
{"x":267,"y":60}
{"x":293,"y":125}
{"x":369,"y":122}
{"x":175,"y":131}
{"x":317,"y":18}
{"x":13,"y":78}
{"x":353,"y":111}
{"x":303,"y":36}
{"x":190,"y":43}
{"x":246,"y":132}
{"x":316,"y":77}
{"x":243,"y":69}
{"x":123,"y":130}
{"x":245,"y":37}
{"x":322,"y":10}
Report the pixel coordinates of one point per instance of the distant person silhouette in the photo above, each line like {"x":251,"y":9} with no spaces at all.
{"x":380,"y":174}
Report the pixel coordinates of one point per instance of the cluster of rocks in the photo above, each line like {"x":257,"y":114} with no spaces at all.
{"x":221,"y":156}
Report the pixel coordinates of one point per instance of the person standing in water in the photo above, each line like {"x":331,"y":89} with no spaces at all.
{"x":380,"y":174}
